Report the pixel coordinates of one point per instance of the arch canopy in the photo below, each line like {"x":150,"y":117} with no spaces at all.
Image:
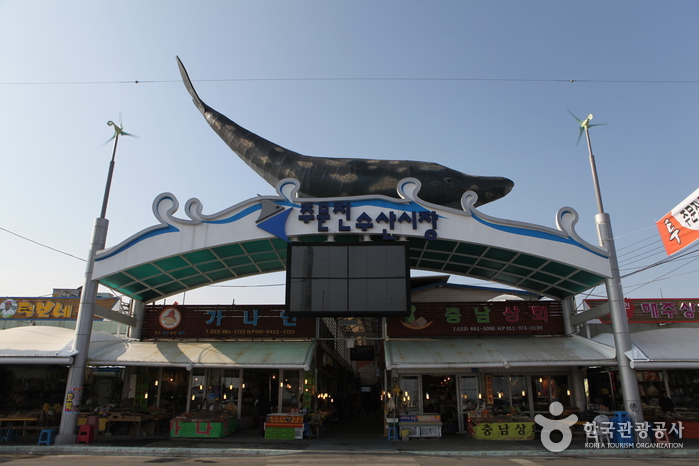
{"x":252,"y":237}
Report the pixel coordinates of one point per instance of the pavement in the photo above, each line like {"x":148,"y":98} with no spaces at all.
{"x":359,"y":434}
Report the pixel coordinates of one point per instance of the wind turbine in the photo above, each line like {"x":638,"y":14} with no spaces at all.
{"x":118,"y":131}
{"x":585,"y":125}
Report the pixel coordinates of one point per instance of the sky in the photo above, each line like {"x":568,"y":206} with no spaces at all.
{"x":480,"y":86}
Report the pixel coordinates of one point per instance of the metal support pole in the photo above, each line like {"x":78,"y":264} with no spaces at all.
{"x":67,"y":433}
{"x":578,"y":388}
{"x":137,"y":311}
{"x":568,"y":305}
{"x":615,"y":299}
{"x":86,"y":313}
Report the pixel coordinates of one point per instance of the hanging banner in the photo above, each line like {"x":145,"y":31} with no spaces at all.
{"x":680,"y":227}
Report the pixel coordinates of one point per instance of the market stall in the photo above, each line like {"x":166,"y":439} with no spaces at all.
{"x":420,"y":426}
{"x":203,"y":425}
{"x":284,"y":426}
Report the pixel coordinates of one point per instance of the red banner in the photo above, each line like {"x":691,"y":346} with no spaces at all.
{"x":680,"y":227}
{"x":224,"y":322}
{"x":489,"y":318}
{"x":654,"y":310}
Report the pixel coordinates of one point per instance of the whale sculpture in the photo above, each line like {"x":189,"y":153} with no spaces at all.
{"x":339,"y":177}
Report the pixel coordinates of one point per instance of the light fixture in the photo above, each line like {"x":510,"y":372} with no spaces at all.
{"x":225,"y":396}
{"x":480,"y":396}
{"x":427,"y":396}
{"x":568,"y":392}
{"x":156,"y":383}
{"x":230,"y":387}
{"x":145,"y":396}
{"x":524,"y":393}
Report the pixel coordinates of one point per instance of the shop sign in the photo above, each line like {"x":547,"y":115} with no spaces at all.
{"x":46,"y":308}
{"x":521,"y":430}
{"x":489,"y":318}
{"x":224,"y":322}
{"x":654,"y":310}
{"x":336,"y":216}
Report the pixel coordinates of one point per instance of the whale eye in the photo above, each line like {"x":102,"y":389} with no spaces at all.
{"x":449,"y":180}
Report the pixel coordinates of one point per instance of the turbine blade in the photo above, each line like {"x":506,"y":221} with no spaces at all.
{"x":576,"y":118}
{"x":105,"y":142}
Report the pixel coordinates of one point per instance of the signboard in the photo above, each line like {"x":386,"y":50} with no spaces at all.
{"x":46,"y":308}
{"x":330,"y":217}
{"x":680,"y":227}
{"x":655,"y":310}
{"x":224,"y":322}
{"x":489,"y":318}
{"x":348,"y":279}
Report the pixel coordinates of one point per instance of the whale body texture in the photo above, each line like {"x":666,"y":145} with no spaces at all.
{"x":339,"y":177}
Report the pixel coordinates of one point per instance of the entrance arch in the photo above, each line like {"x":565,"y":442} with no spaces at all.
{"x":251,"y":238}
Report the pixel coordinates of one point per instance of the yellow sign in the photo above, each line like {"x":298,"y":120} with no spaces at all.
{"x":45,"y":308}
{"x":521,"y":430}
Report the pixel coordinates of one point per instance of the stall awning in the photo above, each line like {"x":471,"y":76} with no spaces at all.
{"x":667,"y":348}
{"x":190,"y":354}
{"x":467,"y":353}
{"x":45,"y":344}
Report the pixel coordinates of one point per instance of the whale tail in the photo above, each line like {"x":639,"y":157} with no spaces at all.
{"x":188,"y":84}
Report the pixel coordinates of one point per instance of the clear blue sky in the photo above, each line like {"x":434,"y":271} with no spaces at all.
{"x":479,"y":86}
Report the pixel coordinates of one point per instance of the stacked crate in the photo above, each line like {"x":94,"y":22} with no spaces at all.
{"x":284,"y":426}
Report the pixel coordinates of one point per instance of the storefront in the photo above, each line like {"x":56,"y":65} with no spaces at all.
{"x":666,"y":362}
{"x":469,"y":364}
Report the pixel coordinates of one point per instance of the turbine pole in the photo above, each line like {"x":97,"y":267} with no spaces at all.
{"x":67,"y":432}
{"x":615,"y":297}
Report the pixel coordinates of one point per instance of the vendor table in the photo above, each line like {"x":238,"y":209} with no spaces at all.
{"x":202,"y":428}
{"x":502,"y":428}
{"x":421,"y":426}
{"x":19,"y":422}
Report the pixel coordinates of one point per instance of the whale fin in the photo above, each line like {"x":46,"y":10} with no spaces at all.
{"x":188,"y":84}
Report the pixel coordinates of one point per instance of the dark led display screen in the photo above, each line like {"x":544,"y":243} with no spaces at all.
{"x":348,"y":279}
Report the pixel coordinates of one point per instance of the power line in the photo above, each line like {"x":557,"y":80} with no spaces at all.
{"x":414,"y":79}
{"x":41,"y":244}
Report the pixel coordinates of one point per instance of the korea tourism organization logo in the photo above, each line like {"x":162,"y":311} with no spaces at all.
{"x":615,"y":433}
{"x":170,"y":318}
{"x":548,"y":426}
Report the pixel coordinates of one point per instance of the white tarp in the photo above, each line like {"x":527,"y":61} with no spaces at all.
{"x":666,"y":348}
{"x":45,"y":344}
{"x":54,"y":345}
{"x":230,"y":354}
{"x":464,"y":353}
